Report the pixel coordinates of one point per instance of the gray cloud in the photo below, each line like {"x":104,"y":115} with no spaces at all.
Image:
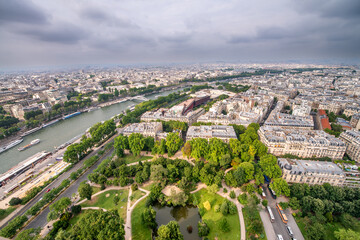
{"x":65,"y":33}
{"x":97,"y":15}
{"x":111,"y":31}
{"x":21,"y":11}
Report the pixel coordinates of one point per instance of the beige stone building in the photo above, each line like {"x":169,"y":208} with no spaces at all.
{"x":352,"y":141}
{"x":147,"y":129}
{"x":301,"y":143}
{"x":311,"y":172}
{"x":225,"y":133}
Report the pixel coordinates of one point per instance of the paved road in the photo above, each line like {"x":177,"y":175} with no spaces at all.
{"x":54,"y":184}
{"x":278,"y":225}
{"x":40,"y":220}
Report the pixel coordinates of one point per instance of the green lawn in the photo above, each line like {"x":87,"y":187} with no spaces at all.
{"x":7,"y":212}
{"x":103,"y":201}
{"x":212,"y":217}
{"x":139,"y":230}
{"x":95,"y":189}
{"x":136,"y":195}
{"x":147,"y":186}
{"x":129,"y":158}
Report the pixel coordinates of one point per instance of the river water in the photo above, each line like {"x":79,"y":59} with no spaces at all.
{"x":63,"y":131}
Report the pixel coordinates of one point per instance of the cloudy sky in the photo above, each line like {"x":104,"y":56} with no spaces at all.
{"x":63,"y":32}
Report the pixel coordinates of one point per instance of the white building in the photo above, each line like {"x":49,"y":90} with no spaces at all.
{"x":352,"y":141}
{"x":225,"y":133}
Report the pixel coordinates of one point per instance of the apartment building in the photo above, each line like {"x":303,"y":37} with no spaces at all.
{"x":311,"y":172}
{"x":301,"y":142}
{"x":351,"y":138}
{"x":147,"y":129}
{"x":225,"y":133}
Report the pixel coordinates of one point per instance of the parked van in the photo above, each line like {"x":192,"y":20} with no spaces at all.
{"x":289,"y":231}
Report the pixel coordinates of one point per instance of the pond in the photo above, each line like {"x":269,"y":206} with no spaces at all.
{"x":185,"y":216}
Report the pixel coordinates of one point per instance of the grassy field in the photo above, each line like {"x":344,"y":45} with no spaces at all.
{"x":212,"y":217}
{"x":129,"y":158}
{"x":105,"y":200}
{"x":136,"y":195}
{"x":7,"y":212}
{"x":248,"y":216}
{"x":147,"y":186}
{"x":95,"y":190}
{"x":139,"y":230}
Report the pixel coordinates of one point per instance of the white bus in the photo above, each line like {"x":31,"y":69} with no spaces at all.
{"x":272,"y":218}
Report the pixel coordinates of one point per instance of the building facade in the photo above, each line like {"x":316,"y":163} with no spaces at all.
{"x":351,"y":139}
{"x":301,"y":143}
{"x":225,"y":133}
{"x":311,"y":172}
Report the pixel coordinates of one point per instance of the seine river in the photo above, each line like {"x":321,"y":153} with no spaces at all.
{"x":63,"y":131}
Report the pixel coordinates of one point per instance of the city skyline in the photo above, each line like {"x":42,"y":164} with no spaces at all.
{"x":42,"y":33}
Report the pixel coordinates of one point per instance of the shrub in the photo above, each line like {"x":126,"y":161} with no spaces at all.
{"x":224,"y":225}
{"x":202,"y":211}
{"x":76,"y":209}
{"x":14,"y":201}
{"x":207,"y":205}
{"x":232,"y":208}
{"x":217,"y":208}
{"x":203,"y":229}
{"x":102,"y":187}
{"x":224,"y":208}
{"x":243,"y":199}
{"x":134,"y":187}
{"x":232,"y":194}
{"x":225,"y":190}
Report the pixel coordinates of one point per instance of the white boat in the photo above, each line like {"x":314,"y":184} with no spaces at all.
{"x":33,"y":142}
{"x":50,"y":123}
{"x":31,"y":131}
{"x":11,"y":144}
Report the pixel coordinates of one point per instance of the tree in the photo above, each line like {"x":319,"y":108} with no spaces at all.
{"x":225,"y":161}
{"x":203,"y":229}
{"x":85,"y":190}
{"x":59,"y":207}
{"x":148,"y":217}
{"x":199,"y":148}
{"x":177,"y":199}
{"x":217,"y":149}
{"x":214,"y":188}
{"x":120,"y":144}
{"x":136,"y":143}
{"x":264,"y":202}
{"x":76,"y":209}
{"x":225,"y":207}
{"x":280,"y":186}
{"x":158,"y":172}
{"x":248,"y":170}
{"x":232,"y":194}
{"x":171,"y":231}
{"x":346,"y":234}
{"x":29,"y":234}
{"x":116,"y":200}
{"x":173,"y":143}
{"x":99,"y":225}
{"x":15,"y":201}
{"x":269,"y":165}
{"x":186,"y":150}
{"x":224,"y":225}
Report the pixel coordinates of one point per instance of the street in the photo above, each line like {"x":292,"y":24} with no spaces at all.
{"x":278,"y":225}
{"x":40,"y":220}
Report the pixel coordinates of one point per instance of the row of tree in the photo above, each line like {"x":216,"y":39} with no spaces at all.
{"x":99,"y":132}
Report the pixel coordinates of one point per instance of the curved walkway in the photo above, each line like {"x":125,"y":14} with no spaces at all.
{"x":239,"y":207}
{"x":128,"y":233}
{"x":94,"y":208}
